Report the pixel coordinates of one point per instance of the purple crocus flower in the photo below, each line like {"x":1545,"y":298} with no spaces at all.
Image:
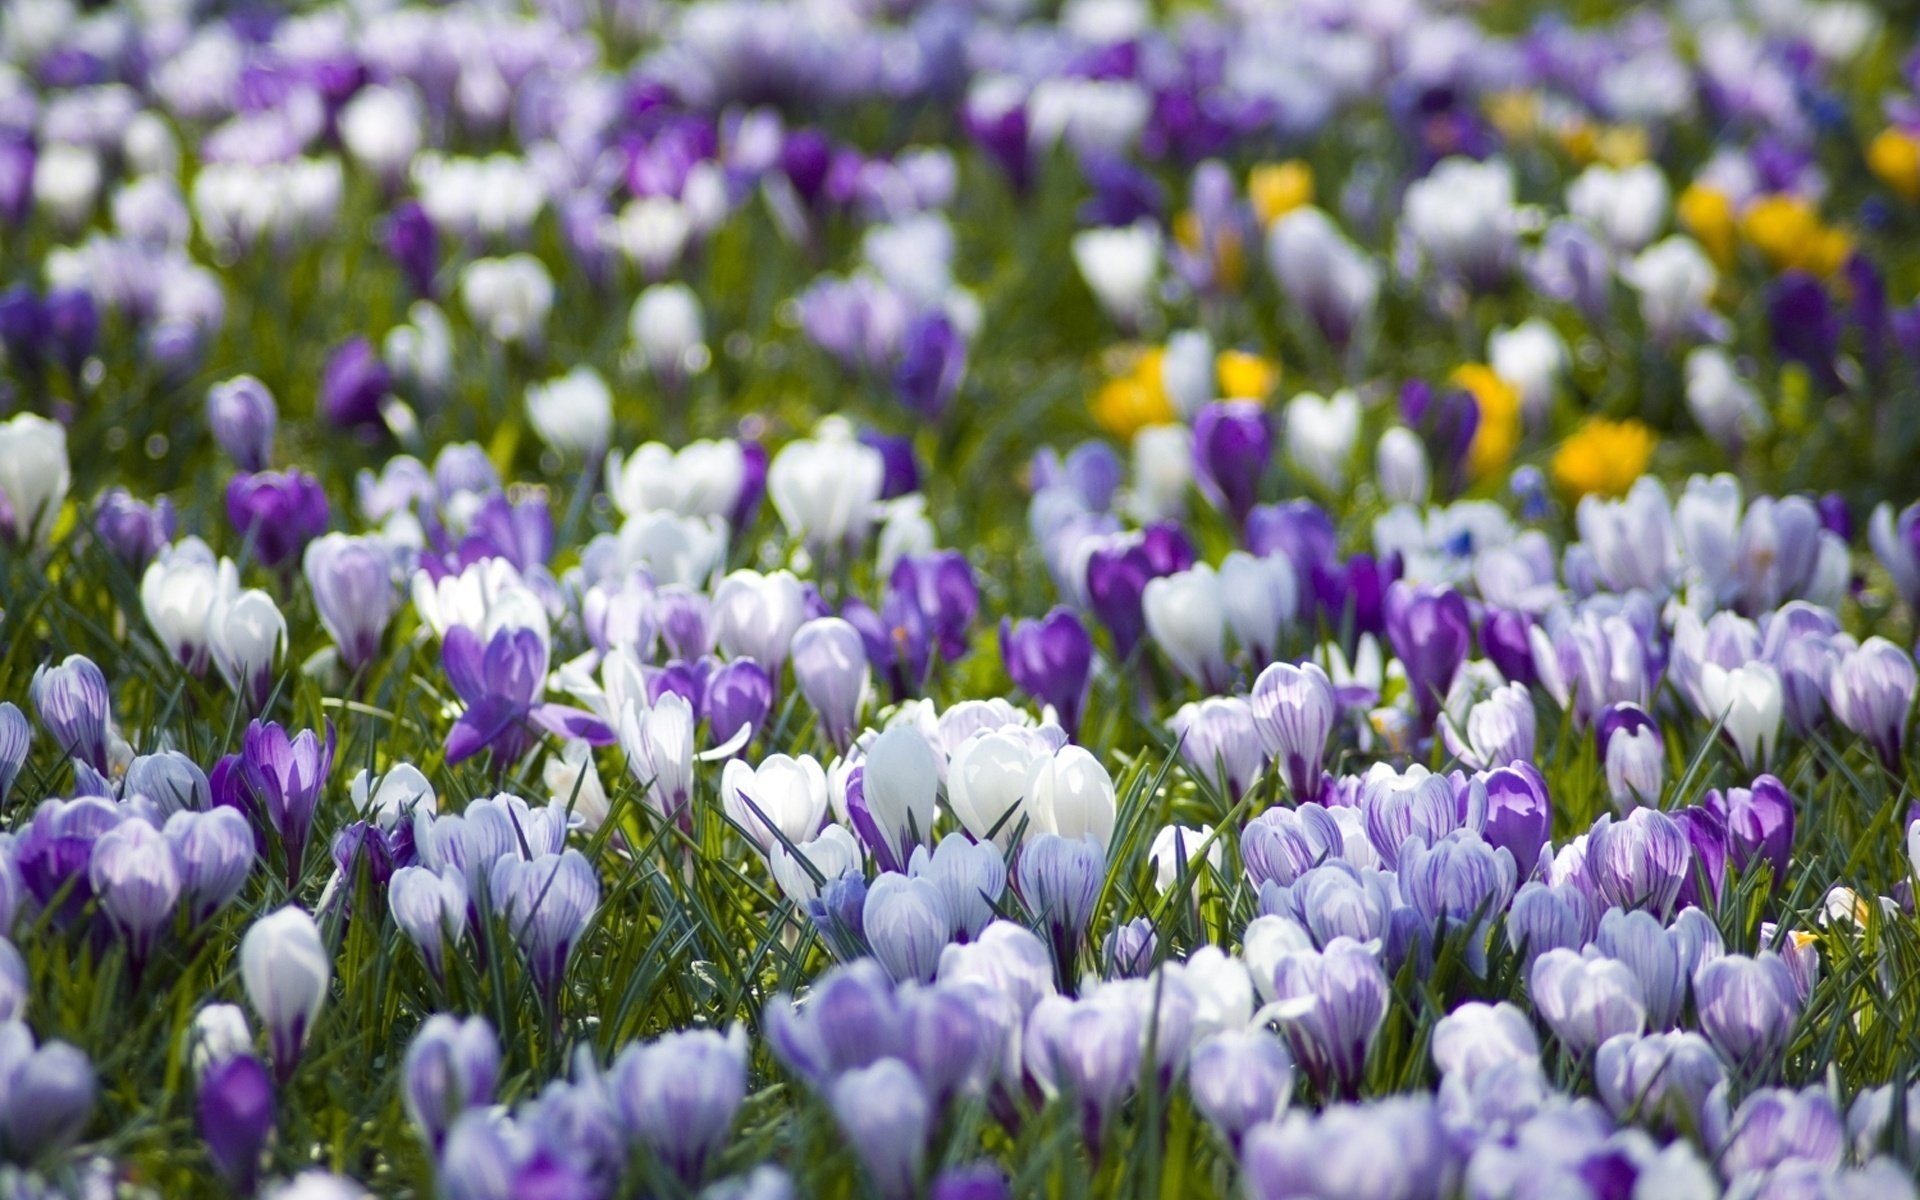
{"x":1221,"y":742}
{"x":243,"y":418}
{"x":49,"y":1094}
{"x":277,"y":512}
{"x":1871,"y":691}
{"x":17,"y":159}
{"x":942,"y":593}
{"x":830,"y":666}
{"x":132,"y":531}
{"x":1431,"y":634}
{"x":136,"y":879}
{"x":72,"y":702}
{"x":1519,"y":812}
{"x":1507,"y":644}
{"x":450,"y":1066}
{"x":413,"y":243}
{"x":1639,"y":861}
{"x":1747,"y":1008}
{"x":22,"y":327}
{"x":901,"y":468}
{"x":887,"y":1117}
{"x":1759,"y":823}
{"x":52,"y":852}
{"x":285,"y":776}
{"x":738,"y":695}
{"x":1335,"y":1000}
{"x":353,"y":385}
{"x":500,"y":681}
{"x":353,"y":591}
{"x":1545,"y":917}
{"x":906,"y":923}
{"x":1712,"y":848}
{"x":215,"y":852}
{"x":15,"y":736}
{"x":1232,"y":446}
{"x":1051,"y":659}
{"x":236,"y":1113}
{"x":1294,"y":711}
{"x":1776,"y":1130}
{"x":679,"y":1094}
{"x":547,"y":903}
{"x":1662,"y":1078}
{"x":1058,"y":879}
{"x":1117,"y":576}
{"x":998,"y":126}
{"x":933,"y":360}
{"x":1806,"y":329}
{"x":851,"y":1018}
{"x":1632,"y":753}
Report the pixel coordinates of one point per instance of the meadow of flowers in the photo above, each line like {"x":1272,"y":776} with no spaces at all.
{"x":959,"y":599}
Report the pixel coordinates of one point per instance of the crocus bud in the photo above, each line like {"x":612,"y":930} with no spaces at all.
{"x":1400,"y":467}
{"x":907,"y":924}
{"x":1638,"y":861}
{"x":1500,"y":730}
{"x":285,"y":776}
{"x":1185,"y":613}
{"x":353,"y":385}
{"x":1519,"y":812}
{"x":1334,"y":1001}
{"x":286,"y":970}
{"x":667,"y":327}
{"x":1220,"y":743}
{"x":1632,"y":753}
{"x":1120,"y":266}
{"x":900,"y":782}
{"x":1586,"y":1000}
{"x":1129,"y":949}
{"x":236,"y":1115}
{"x":1662,"y":1078}
{"x":885,"y":1114}
{"x":1320,"y":436}
{"x":1231,"y":449}
{"x":1759,"y":824}
{"x":353,"y":591}
{"x":132,"y":531}
{"x":1051,"y":659}
{"x":987,"y":781}
{"x":34,"y":477}
{"x":783,"y":793}
{"x":548,"y":903}
{"x":215,"y":853}
{"x":1293,"y":710}
{"x":1069,"y":793}
{"x":248,"y":635}
{"x":450,"y":1066}
{"x":1239,"y":1078}
{"x":277,"y":513}
{"x":46,"y":1094}
{"x":1748,"y":702}
{"x":826,"y":490}
{"x":830,"y":665}
{"x":971,"y":877}
{"x":679,"y":1094}
{"x":243,"y":417}
{"x":573,"y":414}
{"x":136,"y":878}
{"x":71,"y":700}
{"x":1431,"y":633}
{"x":430,"y":907}
{"x":15,"y":736}
{"x":1543,"y":918}
{"x":1747,"y":1007}
{"x":755,"y":616}
{"x":1871,"y":691}
{"x":1059,"y":878}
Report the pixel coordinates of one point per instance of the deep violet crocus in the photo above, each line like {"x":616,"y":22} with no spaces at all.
{"x":236,"y":1113}
{"x":285,"y":776}
{"x":1232,"y":446}
{"x":1431,"y":633}
{"x":277,"y":512}
{"x":1051,"y":659}
{"x":501,"y":681}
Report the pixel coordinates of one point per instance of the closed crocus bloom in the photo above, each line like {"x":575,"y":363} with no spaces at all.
{"x":15,"y":736}
{"x":1260,"y":596}
{"x":826,"y":490}
{"x":169,"y":779}
{"x":1120,"y":267}
{"x":1723,"y":404}
{"x":131,"y":530}
{"x":667,"y":327}
{"x":450,"y":1066}
{"x":1531,"y":358}
{"x":46,"y":1094}
{"x":679,"y":1094}
{"x":1638,"y":861}
{"x":248,"y":635}
{"x":178,"y":589}
{"x":573,"y":414}
{"x":34,"y":477}
{"x":1333,"y":1001}
{"x":547,"y":902}
{"x":1220,"y":743}
{"x":1775,"y":1128}
{"x":971,"y":877}
{"x":1059,"y":879}
{"x":1462,"y":217}
{"x":887,"y":1117}
{"x":72,"y":702}
{"x":1633,"y":755}
{"x":1327,"y":278}
{"x":353,"y":591}
{"x":1759,"y":823}
{"x":1544,"y":917}
{"x":1431,"y":634}
{"x":285,"y":775}
{"x":236,"y":1114}
{"x":1460,"y":881}
{"x":1281,"y":844}
{"x":430,"y":907}
{"x":1628,"y":206}
{"x":214,"y":852}
{"x":899,"y":789}
{"x":1071,"y":794}
{"x":242,"y":415}
{"x":907,"y":924}
{"x":1477,"y":1037}
{"x":1400,"y":467}
{"x":987,"y":784}
{"x":1051,"y":659}
{"x":1415,"y":803}
{"x":1639,"y":942}
{"x":1294,"y":711}
{"x":1320,"y":436}
{"x":1232,"y":446}
{"x":286,"y":970}
{"x":1586,"y":1000}
{"x":830,"y":665}
{"x":1749,"y":703}
{"x":831,"y":854}
{"x":277,"y":513}
{"x":1499,"y":729}
{"x":1675,"y":280}
{"x":136,"y":879}
{"x":508,"y":298}
{"x":1871,"y":691}
{"x":1665,"y":1079}
{"x":1519,"y":816}
{"x":1239,"y":1078}
{"x":1163,"y":470}
{"x":1747,"y":1007}
{"x":755,"y":616}
{"x":783,"y":793}
{"x":1186,"y":616}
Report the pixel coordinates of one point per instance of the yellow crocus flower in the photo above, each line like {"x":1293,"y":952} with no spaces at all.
{"x":1894,"y":155}
{"x":1707,"y":214}
{"x":1245,"y":376}
{"x":1276,"y":189}
{"x":1603,"y":458}
{"x":1498,"y":433}
{"x":1131,"y":401}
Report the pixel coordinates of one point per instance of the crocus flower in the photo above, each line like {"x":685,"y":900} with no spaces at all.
{"x":1499,"y":730}
{"x":1544,"y":917}
{"x":1221,"y":743}
{"x":277,"y":513}
{"x":679,"y":1094}
{"x":1431,"y":633}
{"x":286,"y":970}
{"x":987,"y":781}
{"x":899,"y":785}
{"x":1519,"y":816}
{"x":243,"y":417}
{"x":1747,"y":1008}
{"x":15,"y":736}
{"x":1759,"y":823}
{"x":353,"y":591}
{"x":132,"y":531}
{"x":46,"y":1094}
{"x":1632,"y":753}
{"x":248,"y":635}
{"x":547,"y":903}
{"x":214,"y":850}
{"x":1059,"y":879}
{"x":1293,"y":710}
{"x":1665,"y":1079}
{"x":72,"y":702}
{"x":1638,"y":861}
{"x":500,"y":680}
{"x":825,"y":490}
{"x":906,"y":922}
{"x":137,"y":880}
{"x":450,"y":1066}
{"x":886,"y":1116}
{"x":1777,"y":1130}
{"x":1051,"y":659}
{"x":1871,"y":691}
{"x":353,"y":385}
{"x":1749,"y":702}
{"x":1240,"y":1078}
{"x":34,"y":478}
{"x":971,"y":877}
{"x":430,"y":905}
{"x":236,"y":1114}
{"x":830,"y":665}
{"x":1231,"y":449}
{"x":1185,"y":613}
{"x":285,"y":776}
{"x":1332,"y":1001}
{"x":1586,"y":1000}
